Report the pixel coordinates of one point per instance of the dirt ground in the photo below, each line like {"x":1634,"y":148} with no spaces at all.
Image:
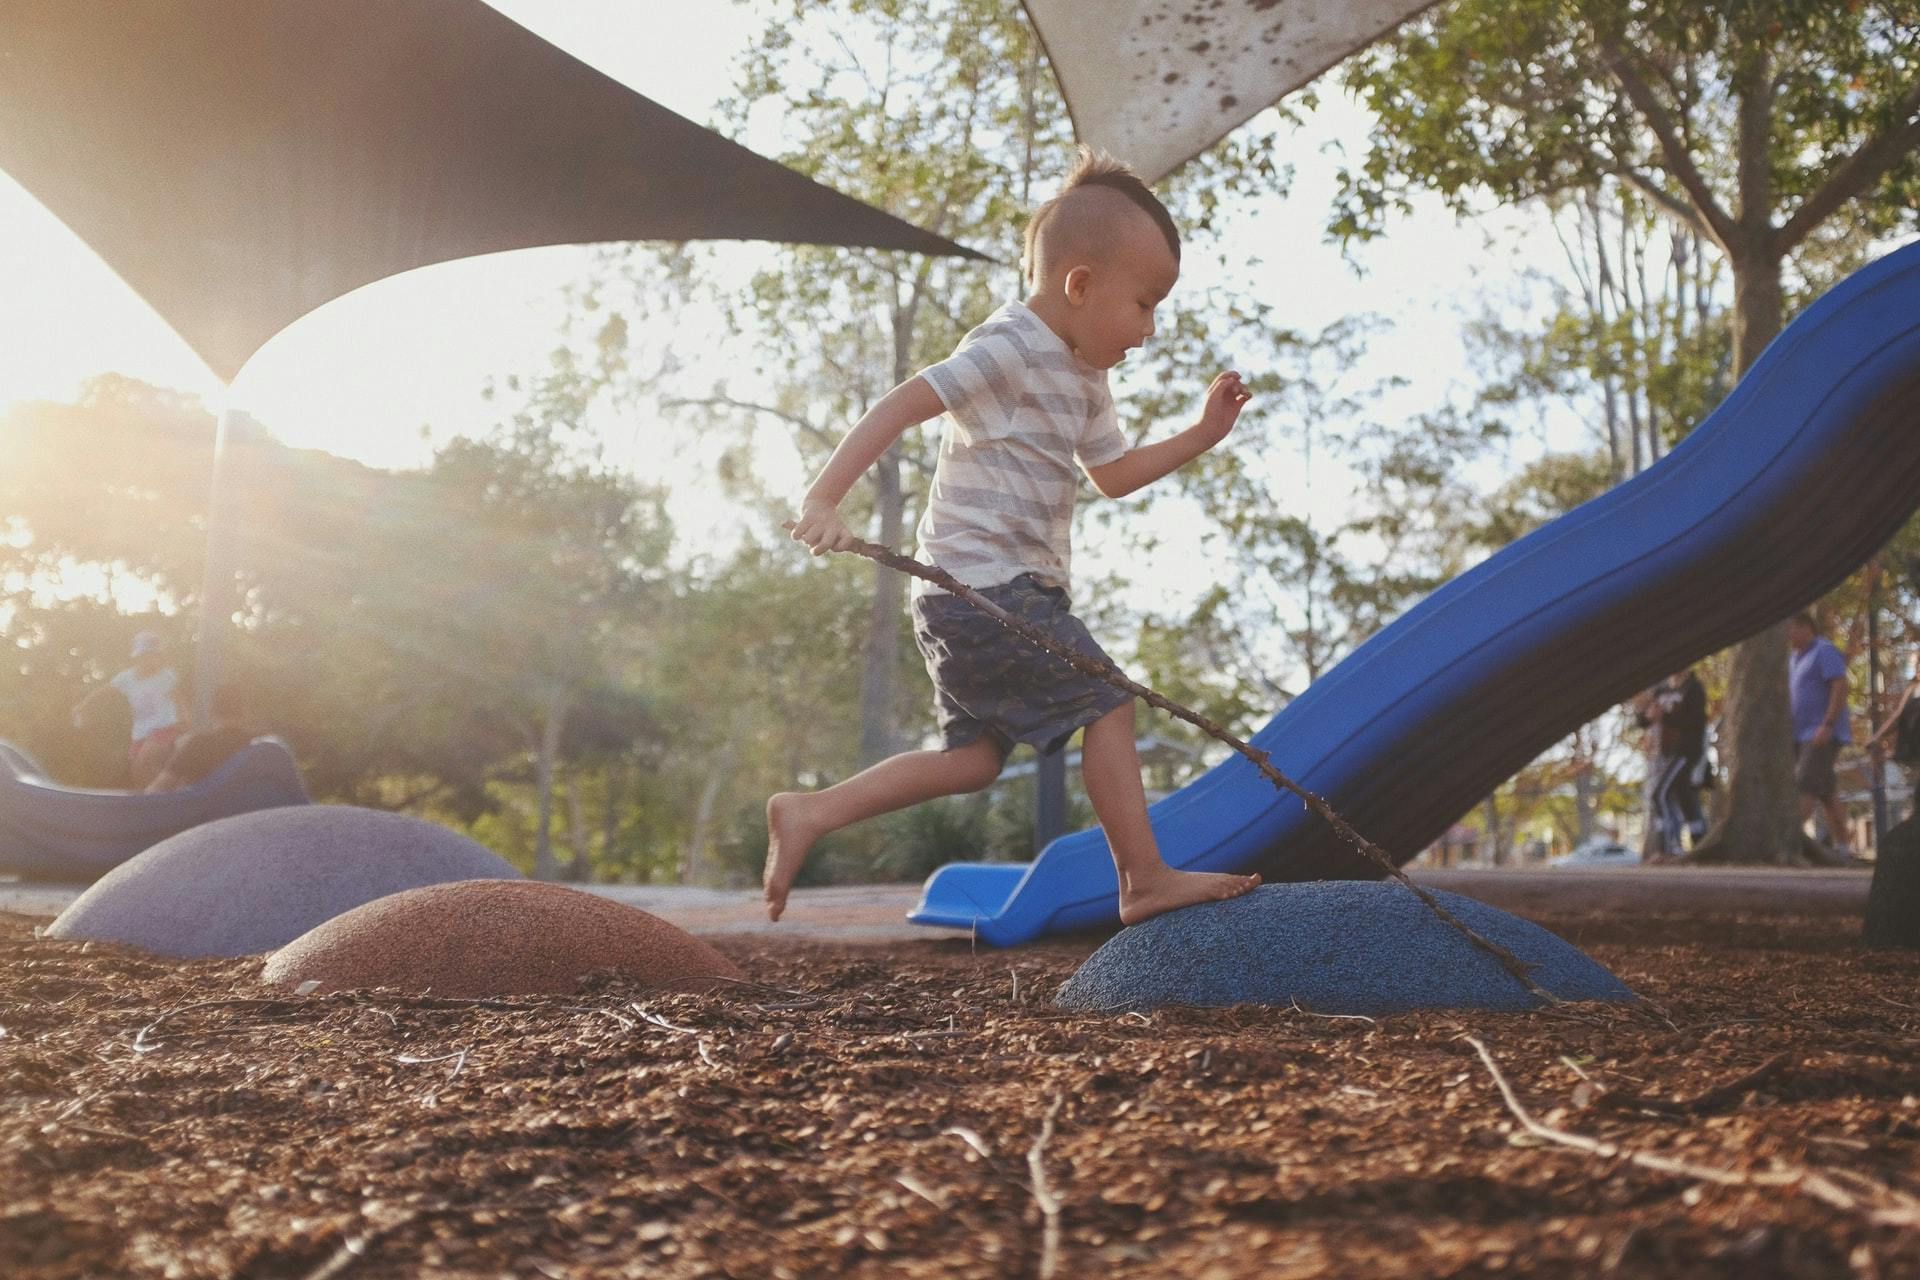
{"x":922,"y":1110}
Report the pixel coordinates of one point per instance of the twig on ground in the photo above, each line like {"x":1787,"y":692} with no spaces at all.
{"x":1891,"y":1207}
{"x":1337,"y":1017}
{"x":658,"y":1021}
{"x":699,"y":1037}
{"x":141,"y":1044}
{"x":972,"y":1139}
{"x":1581,"y":1071}
{"x":1043,"y":1193}
{"x":1261,"y":760}
{"x":911,"y":1181}
{"x":402,"y":1001}
{"x":1706,"y":1100}
{"x":748,"y":982}
{"x":458,"y":1057}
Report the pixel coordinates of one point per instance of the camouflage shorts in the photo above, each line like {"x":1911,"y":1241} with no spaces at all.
{"x":988,"y":680}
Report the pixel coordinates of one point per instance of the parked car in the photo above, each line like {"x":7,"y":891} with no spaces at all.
{"x":1598,"y":853}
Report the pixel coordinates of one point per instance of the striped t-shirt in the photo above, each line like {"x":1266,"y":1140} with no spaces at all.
{"x":1021,"y":410}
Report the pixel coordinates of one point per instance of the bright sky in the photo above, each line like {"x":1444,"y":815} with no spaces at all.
{"x":365,"y":374}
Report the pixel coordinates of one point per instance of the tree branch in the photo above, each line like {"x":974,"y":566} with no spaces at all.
{"x":1853,"y":175}
{"x":1680,"y":210}
{"x":1715,"y":220}
{"x":749,"y":406}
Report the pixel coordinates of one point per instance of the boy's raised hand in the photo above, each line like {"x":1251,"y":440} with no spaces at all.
{"x":821,"y":527}
{"x":1225,"y":398}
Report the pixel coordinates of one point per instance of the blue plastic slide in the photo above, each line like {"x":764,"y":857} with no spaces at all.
{"x":1802,"y":473}
{"x":70,"y":833}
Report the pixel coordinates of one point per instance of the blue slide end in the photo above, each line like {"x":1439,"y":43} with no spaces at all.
{"x":54,"y":832}
{"x":1802,"y":473}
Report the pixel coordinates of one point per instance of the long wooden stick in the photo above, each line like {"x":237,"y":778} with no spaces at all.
{"x":1261,"y":760}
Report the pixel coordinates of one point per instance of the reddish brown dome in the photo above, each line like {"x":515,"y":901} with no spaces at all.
{"x":493,"y":938}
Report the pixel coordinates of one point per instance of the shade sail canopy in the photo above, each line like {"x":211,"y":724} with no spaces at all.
{"x":1156,"y":82}
{"x":240,"y":162}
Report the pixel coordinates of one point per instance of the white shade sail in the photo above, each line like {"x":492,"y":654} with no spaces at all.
{"x":1156,"y":82}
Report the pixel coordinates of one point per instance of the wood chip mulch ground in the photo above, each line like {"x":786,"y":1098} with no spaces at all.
{"x":922,"y":1110}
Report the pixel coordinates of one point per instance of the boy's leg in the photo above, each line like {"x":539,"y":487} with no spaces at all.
{"x":795,"y":819}
{"x":1667,"y":802}
{"x":1692,"y":813}
{"x":1110,"y":767}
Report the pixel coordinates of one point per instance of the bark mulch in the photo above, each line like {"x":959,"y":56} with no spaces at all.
{"x":922,"y":1110}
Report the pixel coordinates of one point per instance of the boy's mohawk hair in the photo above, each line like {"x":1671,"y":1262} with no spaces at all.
{"x":1099,"y":169}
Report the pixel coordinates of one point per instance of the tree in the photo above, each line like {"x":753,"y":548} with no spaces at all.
{"x":1292,"y":594}
{"x":756,"y":666}
{"x":567,"y":553}
{"x":1782,"y":132}
{"x":104,"y":501}
{"x":1638,"y":338}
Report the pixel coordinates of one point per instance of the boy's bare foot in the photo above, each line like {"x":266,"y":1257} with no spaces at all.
{"x":1169,"y":890}
{"x":788,"y":839}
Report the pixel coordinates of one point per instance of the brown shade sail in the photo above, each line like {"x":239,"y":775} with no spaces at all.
{"x":241,"y":162}
{"x":1156,"y":82}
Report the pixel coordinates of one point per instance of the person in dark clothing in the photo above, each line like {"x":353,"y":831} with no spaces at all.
{"x":1676,"y":710}
{"x":201,"y":752}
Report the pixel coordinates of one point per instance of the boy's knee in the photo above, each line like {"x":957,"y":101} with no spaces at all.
{"x":977,"y":764}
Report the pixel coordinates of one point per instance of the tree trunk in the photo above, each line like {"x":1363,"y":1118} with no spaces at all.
{"x":610,"y":817}
{"x":553,"y":723}
{"x":580,"y":869}
{"x":1496,"y":839}
{"x":1761,"y":819}
{"x":878,"y":681}
{"x":1653,"y":842}
{"x":693,"y":858}
{"x":1586,"y":789}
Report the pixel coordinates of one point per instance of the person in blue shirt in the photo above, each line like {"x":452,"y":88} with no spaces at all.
{"x":1817,"y":685}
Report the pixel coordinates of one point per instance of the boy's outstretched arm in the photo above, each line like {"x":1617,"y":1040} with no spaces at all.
{"x":1138,"y":468}
{"x":820,"y":526}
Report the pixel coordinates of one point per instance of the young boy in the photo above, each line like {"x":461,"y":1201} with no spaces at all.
{"x":1025,"y":398}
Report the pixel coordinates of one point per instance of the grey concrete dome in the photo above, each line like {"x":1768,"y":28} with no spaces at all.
{"x":256,"y":881}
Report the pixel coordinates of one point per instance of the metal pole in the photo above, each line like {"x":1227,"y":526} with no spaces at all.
{"x":1874,"y":708}
{"x":1050,"y":799}
{"x":216,"y":585}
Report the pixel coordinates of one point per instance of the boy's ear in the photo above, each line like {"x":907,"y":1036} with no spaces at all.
{"x":1075,"y":286}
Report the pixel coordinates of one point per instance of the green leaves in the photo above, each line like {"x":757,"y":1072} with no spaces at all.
{"x":1515,"y":101}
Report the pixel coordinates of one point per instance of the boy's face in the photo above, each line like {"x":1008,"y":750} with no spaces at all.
{"x":1113,"y":300}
